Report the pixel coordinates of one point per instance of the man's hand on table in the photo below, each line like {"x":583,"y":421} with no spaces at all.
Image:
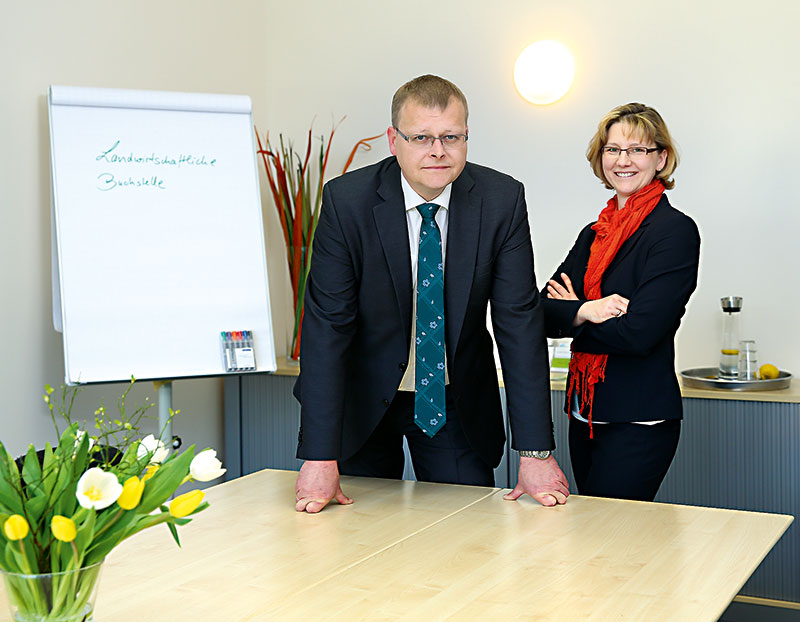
{"x":318,"y":483}
{"x":541,"y":479}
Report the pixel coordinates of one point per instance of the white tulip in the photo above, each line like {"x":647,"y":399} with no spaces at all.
{"x":151,"y":445}
{"x":79,"y":439}
{"x":98,"y":489}
{"x":205,"y":466}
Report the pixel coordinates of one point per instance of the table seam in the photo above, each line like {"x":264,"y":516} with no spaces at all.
{"x":344,"y":569}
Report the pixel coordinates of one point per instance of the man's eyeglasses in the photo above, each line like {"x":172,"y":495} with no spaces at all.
{"x":424,"y":140}
{"x":634,"y":153}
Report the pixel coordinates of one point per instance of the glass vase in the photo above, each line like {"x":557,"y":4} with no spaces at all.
{"x":56,"y":597}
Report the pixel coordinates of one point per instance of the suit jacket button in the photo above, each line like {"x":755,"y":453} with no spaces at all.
{"x":403,"y":366}
{"x":386,"y":403}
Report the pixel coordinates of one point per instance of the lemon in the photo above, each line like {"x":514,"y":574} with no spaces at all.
{"x":768,"y":371}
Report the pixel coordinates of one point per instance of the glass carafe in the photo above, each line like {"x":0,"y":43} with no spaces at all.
{"x":729,"y":352}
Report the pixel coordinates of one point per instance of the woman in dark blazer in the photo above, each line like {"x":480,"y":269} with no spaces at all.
{"x":620,"y":294}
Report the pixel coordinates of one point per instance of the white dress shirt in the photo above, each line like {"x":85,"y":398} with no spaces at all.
{"x":414,"y":222}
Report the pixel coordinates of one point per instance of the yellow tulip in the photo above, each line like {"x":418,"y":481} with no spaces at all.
{"x":16,"y":527}
{"x":149,"y":472}
{"x":63,"y":528}
{"x":131,"y":493}
{"x":186,"y":503}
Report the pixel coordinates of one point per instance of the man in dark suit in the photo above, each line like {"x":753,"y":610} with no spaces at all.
{"x":418,"y":240}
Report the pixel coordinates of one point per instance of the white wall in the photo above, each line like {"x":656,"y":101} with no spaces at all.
{"x":721,"y":73}
{"x":178,"y":45}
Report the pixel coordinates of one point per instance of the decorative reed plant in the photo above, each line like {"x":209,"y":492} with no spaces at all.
{"x":296,"y":186}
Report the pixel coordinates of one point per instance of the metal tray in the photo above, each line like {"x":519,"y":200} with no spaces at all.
{"x":706,"y":378}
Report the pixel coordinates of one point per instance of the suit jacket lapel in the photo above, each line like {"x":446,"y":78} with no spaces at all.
{"x":390,"y":221}
{"x":630,"y":243}
{"x":463,"y":232}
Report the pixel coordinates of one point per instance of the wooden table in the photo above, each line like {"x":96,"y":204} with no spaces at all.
{"x":416,"y":551}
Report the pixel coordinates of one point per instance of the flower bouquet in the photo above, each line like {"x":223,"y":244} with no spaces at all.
{"x":63,"y":509}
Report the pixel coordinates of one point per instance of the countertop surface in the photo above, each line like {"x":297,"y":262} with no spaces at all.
{"x":558,"y":383}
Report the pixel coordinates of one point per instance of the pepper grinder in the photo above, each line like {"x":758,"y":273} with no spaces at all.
{"x":729,"y":353}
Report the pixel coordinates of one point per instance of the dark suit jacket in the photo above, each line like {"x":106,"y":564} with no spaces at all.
{"x":656,"y":269}
{"x":358,"y":313}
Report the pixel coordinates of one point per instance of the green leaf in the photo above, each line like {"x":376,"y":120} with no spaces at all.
{"x":174,"y":531}
{"x":35,"y":507}
{"x":67,"y":556}
{"x":31,"y":554}
{"x":66,"y":444}
{"x":3,"y":519}
{"x":49,"y":469}
{"x":166,"y":480}
{"x":149,"y":520}
{"x":64,"y":491}
{"x":10,"y":500}
{"x":32,"y":470}
{"x":106,"y":516}
{"x":6,"y":462}
{"x":80,"y":460}
{"x":9,"y":560}
{"x":9,"y":484}
{"x":14,"y":477}
{"x":86,"y":532}
{"x":3,"y":562}
{"x":61,"y":556}
{"x":130,"y":465}
{"x":20,"y":560}
{"x":111,"y":538}
{"x":13,"y":469}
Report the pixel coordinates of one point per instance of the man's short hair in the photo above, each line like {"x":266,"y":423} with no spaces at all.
{"x":428,"y":91}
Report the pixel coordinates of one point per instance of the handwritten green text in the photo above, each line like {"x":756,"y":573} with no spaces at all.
{"x":107,"y":181}
{"x":112,"y":156}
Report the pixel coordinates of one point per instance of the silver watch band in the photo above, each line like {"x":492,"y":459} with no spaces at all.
{"x":542,"y":455}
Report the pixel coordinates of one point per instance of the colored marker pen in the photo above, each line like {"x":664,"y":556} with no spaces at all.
{"x":237,"y":349}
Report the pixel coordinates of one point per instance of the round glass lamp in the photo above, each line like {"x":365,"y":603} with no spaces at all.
{"x":544,"y":71}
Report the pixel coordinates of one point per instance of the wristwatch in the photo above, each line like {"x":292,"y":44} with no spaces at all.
{"x":542,"y":455}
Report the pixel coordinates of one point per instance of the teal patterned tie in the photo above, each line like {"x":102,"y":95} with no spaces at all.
{"x":429,"y":398}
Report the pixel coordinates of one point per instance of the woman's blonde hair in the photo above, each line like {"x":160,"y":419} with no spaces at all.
{"x":642,"y":120}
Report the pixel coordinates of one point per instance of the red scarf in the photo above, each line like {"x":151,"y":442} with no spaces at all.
{"x":612,"y":228}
